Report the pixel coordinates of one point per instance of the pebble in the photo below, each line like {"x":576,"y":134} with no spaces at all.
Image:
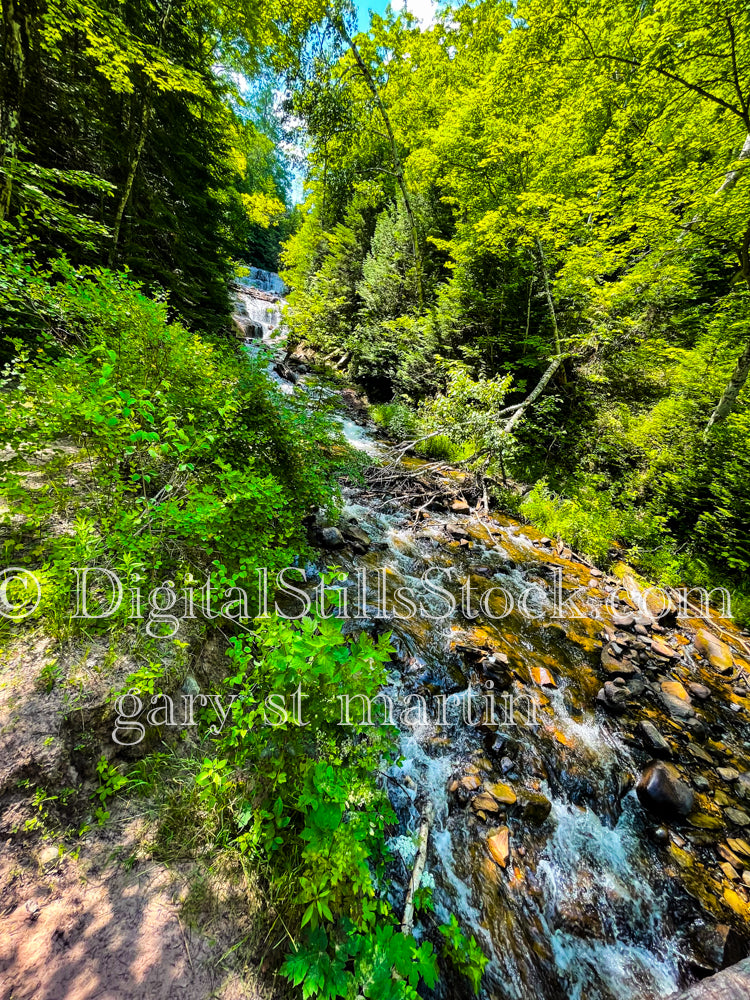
{"x":699,"y":691}
{"x":701,"y":783}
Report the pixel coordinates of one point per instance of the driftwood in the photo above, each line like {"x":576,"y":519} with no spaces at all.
{"x":407,"y":921}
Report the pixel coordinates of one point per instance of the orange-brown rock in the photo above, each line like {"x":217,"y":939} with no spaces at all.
{"x":499,"y":845}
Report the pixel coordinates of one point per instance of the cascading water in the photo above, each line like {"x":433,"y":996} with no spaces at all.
{"x":588,"y":906}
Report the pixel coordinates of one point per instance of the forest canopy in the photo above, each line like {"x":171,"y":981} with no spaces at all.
{"x":553,"y":193}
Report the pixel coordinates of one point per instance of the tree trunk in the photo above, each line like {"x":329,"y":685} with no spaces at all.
{"x":15,"y":26}
{"x":398,"y":169}
{"x":135,"y":159}
{"x":739,"y":376}
{"x":127,"y":187}
{"x":532,"y":397}
{"x":550,"y":303}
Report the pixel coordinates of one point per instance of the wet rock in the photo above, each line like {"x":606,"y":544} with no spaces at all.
{"x":499,"y":845}
{"x":675,"y":699}
{"x":716,"y":946}
{"x":699,"y":691}
{"x":613,"y":697}
{"x":623,"y":621}
{"x":460,"y":507}
{"x":730,"y":984}
{"x":614,"y":665}
{"x":742,"y":787}
{"x":469,"y":782}
{"x":716,"y":652}
{"x":737,"y":817}
{"x":728,"y":773}
{"x":331,"y":538}
{"x":740,"y":847}
{"x":535,"y":807}
{"x":360,"y":539}
{"x":661,"y":790}
{"x":506,"y":764}
{"x":542,"y":677}
{"x":662,"y":649}
{"x":484,"y":802}
{"x":701,"y":783}
{"x":503,"y":793}
{"x":652,"y":740}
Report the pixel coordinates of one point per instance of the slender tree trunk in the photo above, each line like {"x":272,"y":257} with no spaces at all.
{"x":397,"y":165}
{"x":135,"y":159}
{"x":742,"y":369}
{"x":127,"y":188}
{"x":15,"y":26}
{"x":550,"y":303}
{"x":533,"y":396}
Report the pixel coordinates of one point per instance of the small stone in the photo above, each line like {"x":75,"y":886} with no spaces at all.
{"x":190,"y":687}
{"x":699,"y":691}
{"x":721,"y":798}
{"x":48,"y":856}
{"x":499,"y":845}
{"x":545,"y":541}
{"x":727,"y":773}
{"x":652,"y":739}
{"x":676,"y":699}
{"x":506,"y":764}
{"x":542,"y":677}
{"x":730,"y":873}
{"x":662,"y":649}
{"x":737,"y":817}
{"x":485,"y":803}
{"x":661,"y":833}
{"x":535,"y":806}
{"x":739,"y":846}
{"x":614,"y":665}
{"x":701,"y":783}
{"x":735,"y":707}
{"x":503,"y":793}
{"x":728,"y":855}
{"x":460,"y":507}
{"x":470,"y":782}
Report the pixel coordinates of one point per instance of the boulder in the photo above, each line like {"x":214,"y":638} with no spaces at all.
{"x":730,"y":984}
{"x":331,"y":538}
{"x":662,"y":791}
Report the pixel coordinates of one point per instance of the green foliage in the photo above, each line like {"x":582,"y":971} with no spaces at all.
{"x":171,"y":456}
{"x":464,"y":952}
{"x":579,"y":177}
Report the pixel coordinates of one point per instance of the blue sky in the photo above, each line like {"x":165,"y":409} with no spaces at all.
{"x":364,"y":6}
{"x":423,"y":9}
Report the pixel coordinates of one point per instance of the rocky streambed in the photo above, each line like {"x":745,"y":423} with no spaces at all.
{"x":600,"y":849}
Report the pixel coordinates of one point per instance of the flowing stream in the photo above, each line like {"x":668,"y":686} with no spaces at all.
{"x":587,"y":906}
